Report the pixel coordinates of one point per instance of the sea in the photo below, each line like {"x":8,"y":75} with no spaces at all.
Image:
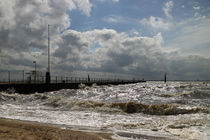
{"x":147,"y":111}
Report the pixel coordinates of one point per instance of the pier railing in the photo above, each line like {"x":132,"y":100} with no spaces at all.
{"x":31,"y":77}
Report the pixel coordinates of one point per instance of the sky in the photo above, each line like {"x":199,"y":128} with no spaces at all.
{"x":142,"y":38}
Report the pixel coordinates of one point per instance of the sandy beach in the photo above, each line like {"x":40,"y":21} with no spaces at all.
{"x":22,"y":130}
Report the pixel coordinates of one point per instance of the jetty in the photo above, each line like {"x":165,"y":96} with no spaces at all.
{"x":28,"y":83}
{"x":26,"y":88}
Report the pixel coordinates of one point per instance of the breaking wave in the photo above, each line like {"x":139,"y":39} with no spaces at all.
{"x":4,"y":96}
{"x":201,"y":94}
{"x":198,"y":94}
{"x":154,"y":100}
{"x":127,"y":107}
{"x":64,"y":103}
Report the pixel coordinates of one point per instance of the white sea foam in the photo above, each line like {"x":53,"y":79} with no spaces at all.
{"x":105,"y":108}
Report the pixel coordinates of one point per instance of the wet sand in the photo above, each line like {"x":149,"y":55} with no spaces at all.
{"x":22,"y":130}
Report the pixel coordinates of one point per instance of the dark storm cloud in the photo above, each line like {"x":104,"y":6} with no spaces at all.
{"x":121,"y":60}
{"x":71,"y":44}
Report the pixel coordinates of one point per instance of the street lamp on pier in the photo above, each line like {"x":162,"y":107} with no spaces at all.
{"x":48,"y":68}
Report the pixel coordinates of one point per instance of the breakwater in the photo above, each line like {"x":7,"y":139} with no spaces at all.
{"x":27,"y":88}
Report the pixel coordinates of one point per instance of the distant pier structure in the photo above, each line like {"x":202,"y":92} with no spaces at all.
{"x":165,"y":80}
{"x":28,"y":86}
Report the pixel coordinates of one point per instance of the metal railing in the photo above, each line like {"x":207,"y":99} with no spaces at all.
{"x":31,"y":77}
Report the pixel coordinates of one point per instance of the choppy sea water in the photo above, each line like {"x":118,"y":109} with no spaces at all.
{"x":151,"y":110}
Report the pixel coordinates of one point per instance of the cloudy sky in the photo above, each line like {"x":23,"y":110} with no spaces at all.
{"x":143,"y":38}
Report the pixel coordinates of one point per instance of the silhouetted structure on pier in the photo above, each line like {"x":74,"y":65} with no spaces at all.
{"x":165,"y":78}
{"x":88,"y":78}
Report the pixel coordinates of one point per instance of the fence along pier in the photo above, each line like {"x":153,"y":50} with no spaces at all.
{"x":30,"y":82}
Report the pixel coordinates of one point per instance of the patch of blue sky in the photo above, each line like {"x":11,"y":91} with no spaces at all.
{"x":184,"y":9}
{"x":94,"y":47}
{"x":128,"y":10}
{"x":35,"y":50}
{"x":125,"y":15}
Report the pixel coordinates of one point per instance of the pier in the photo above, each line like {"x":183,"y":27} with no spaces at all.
{"x":30,"y":82}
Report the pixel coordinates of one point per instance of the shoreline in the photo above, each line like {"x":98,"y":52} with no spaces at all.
{"x":27,"y":130}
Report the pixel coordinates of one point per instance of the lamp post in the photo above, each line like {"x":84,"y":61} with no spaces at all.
{"x":35,"y":71}
{"x":48,"y":68}
{"x":47,"y":76}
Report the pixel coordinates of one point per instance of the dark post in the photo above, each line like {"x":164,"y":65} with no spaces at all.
{"x":35,"y":71}
{"x":9,"y":76}
{"x":165,"y":77}
{"x":23,"y":76}
{"x":88,"y":78}
{"x":47,"y":77}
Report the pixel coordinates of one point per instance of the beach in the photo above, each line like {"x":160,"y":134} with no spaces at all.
{"x":25,"y":130}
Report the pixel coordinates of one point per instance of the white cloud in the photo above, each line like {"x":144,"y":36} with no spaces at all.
{"x":156,"y":23}
{"x":114,"y":19}
{"x":119,"y":19}
{"x":167,"y":8}
{"x":117,"y":52}
{"x":196,"y":7}
{"x":191,"y":36}
{"x":116,"y":1}
{"x":100,"y":0}
{"x":7,"y":14}
{"x":196,"y":14}
{"x":84,"y":5}
{"x":183,"y":6}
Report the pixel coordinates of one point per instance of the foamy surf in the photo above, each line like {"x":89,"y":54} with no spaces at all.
{"x":152,"y":110}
